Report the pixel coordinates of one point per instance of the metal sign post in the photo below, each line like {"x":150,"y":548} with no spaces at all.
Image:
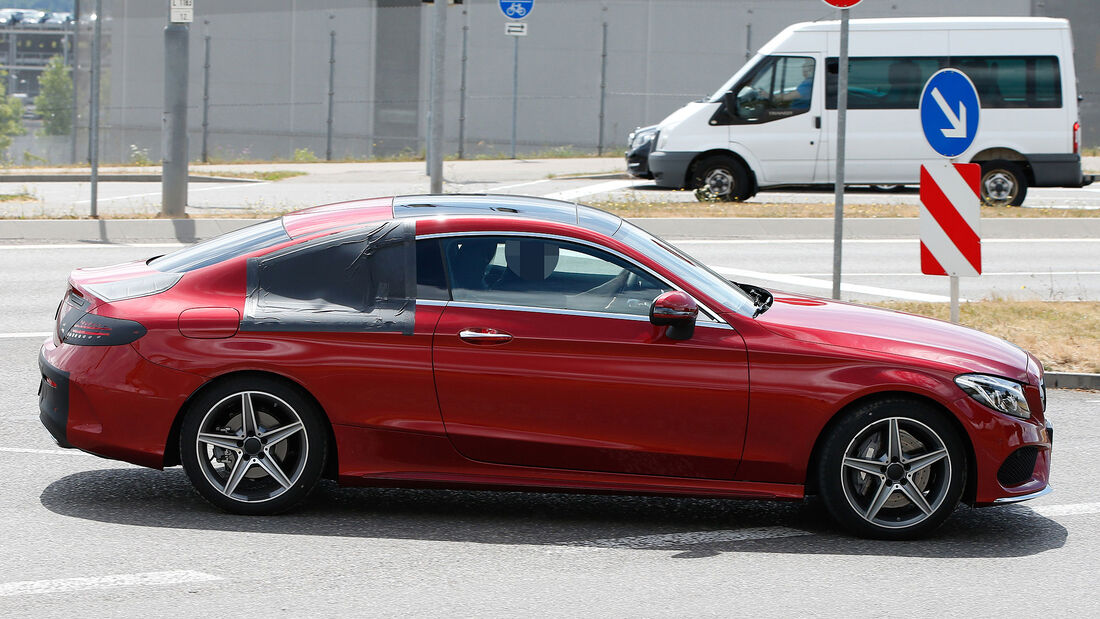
{"x":174,"y":127}
{"x":841,"y":130}
{"x":950,"y":215}
{"x":93,"y":122}
{"x":515,"y":9}
{"x":435,"y":143}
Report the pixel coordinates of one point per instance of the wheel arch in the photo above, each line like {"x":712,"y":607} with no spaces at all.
{"x":721,"y":152}
{"x":970,"y":489}
{"x":171,"y":448}
{"x":1001,"y":153}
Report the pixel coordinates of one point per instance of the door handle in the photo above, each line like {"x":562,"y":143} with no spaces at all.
{"x":817,"y":122}
{"x":484,"y":336}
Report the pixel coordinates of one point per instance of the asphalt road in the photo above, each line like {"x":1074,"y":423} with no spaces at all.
{"x":99,"y":538}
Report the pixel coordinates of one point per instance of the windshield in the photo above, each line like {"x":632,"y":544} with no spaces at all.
{"x":731,"y":82}
{"x":688,"y":269}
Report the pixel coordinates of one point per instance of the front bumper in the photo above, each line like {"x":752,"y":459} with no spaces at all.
{"x":670,"y":169}
{"x":996,"y":438}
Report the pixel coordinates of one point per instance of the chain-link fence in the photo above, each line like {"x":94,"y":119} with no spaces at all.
{"x":350,"y":79}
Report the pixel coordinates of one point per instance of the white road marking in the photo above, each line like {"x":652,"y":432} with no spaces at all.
{"x":46,"y":452}
{"x":90,"y":583}
{"x":984,"y":273}
{"x":527,"y":184}
{"x":157,"y":193}
{"x":93,"y":246}
{"x":694,"y":537}
{"x":1072,"y":509}
{"x":823,"y":284}
{"x":13,"y":336}
{"x":573,"y":194}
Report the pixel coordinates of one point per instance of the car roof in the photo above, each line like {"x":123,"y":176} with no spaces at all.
{"x":352,"y":214}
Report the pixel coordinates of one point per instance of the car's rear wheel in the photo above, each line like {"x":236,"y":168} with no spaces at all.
{"x":253,"y":446}
{"x":892,"y":469}
{"x":719,"y":178}
{"x":1003,"y":184}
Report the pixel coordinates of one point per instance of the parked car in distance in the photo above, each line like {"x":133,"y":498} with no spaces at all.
{"x":475,"y":341}
{"x":774,"y":122}
{"x":640,"y":142}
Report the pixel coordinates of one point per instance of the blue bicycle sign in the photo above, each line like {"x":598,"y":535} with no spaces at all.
{"x":516,"y":9}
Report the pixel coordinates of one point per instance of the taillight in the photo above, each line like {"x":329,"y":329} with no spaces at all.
{"x":1076,"y":136}
{"x":93,"y":330}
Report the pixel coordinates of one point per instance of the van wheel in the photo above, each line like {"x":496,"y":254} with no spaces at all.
{"x":720,"y":179}
{"x":1003,"y":184}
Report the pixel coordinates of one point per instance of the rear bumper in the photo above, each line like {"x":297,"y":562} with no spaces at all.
{"x":1058,"y":171}
{"x":53,"y":400}
{"x":110,"y":401}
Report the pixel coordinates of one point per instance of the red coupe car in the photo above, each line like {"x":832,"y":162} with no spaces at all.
{"x":513,"y":342}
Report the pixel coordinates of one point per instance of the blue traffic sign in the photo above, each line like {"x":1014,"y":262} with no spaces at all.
{"x":949,"y":111}
{"x":516,"y":9}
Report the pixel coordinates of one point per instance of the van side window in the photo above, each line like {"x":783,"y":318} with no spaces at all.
{"x":881,"y":83}
{"x":780,"y":87}
{"x":884,"y":83}
{"x":1014,"y":81}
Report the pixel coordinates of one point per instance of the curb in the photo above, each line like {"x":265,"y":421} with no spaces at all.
{"x":1071,"y":380}
{"x":115,"y":178}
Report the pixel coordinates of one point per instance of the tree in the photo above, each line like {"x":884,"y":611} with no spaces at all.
{"x":55,"y":99}
{"x":11,"y":118}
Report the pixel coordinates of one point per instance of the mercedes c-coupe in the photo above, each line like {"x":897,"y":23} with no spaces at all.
{"x":504,"y":342}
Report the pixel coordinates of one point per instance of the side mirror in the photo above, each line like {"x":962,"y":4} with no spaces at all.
{"x":677,"y":311}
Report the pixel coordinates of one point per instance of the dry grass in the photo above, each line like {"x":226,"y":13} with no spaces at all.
{"x":22,"y":196}
{"x":269,"y":175}
{"x":1065,"y":336}
{"x":640,"y":208}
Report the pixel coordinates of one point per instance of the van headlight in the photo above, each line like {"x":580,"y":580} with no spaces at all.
{"x":661,"y":141}
{"x":999,"y":394}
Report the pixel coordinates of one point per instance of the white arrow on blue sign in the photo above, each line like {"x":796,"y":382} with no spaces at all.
{"x":949,"y":111}
{"x":516,"y":9}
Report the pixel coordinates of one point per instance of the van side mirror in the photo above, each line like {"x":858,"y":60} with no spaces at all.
{"x":677,"y":311}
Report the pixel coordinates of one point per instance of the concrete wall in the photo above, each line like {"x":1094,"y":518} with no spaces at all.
{"x":269,"y":68}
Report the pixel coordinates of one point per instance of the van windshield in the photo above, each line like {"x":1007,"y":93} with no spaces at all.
{"x":731,"y":82}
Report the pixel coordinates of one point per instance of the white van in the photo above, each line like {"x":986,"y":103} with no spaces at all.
{"x":774,"y":122}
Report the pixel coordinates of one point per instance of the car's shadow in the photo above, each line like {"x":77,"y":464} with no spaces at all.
{"x":150,"y":498}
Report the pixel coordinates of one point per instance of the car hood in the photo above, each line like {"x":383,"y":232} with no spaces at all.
{"x":822,"y":321}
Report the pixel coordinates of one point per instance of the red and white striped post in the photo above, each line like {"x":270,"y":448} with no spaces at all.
{"x":950,"y":223}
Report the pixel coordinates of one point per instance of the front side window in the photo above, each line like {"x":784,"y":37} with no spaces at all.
{"x":546,"y":273}
{"x":780,"y":87}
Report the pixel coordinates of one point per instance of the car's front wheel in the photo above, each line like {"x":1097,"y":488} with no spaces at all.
{"x":892,"y":469}
{"x":253,"y":446}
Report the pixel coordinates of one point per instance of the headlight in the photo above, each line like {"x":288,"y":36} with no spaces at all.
{"x":999,"y":394}
{"x":662,"y":140}
{"x":641,"y":138}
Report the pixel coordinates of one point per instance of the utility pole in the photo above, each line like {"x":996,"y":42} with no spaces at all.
{"x":93,"y":121}
{"x":174,"y":126}
{"x":331,"y":88}
{"x":435,"y":130}
{"x":205,"y":89}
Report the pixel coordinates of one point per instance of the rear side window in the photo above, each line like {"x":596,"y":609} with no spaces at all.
{"x":358,"y":281}
{"x":218,"y":249}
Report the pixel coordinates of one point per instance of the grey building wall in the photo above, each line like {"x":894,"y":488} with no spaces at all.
{"x":269,"y":68}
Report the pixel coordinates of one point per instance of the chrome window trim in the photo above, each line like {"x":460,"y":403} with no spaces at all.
{"x":706,"y":316}
{"x":551,"y":310}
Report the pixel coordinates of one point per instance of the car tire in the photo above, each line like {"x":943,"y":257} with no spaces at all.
{"x":1003,"y":184}
{"x":892,"y":469}
{"x":259,"y":464}
{"x":719,"y":178}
